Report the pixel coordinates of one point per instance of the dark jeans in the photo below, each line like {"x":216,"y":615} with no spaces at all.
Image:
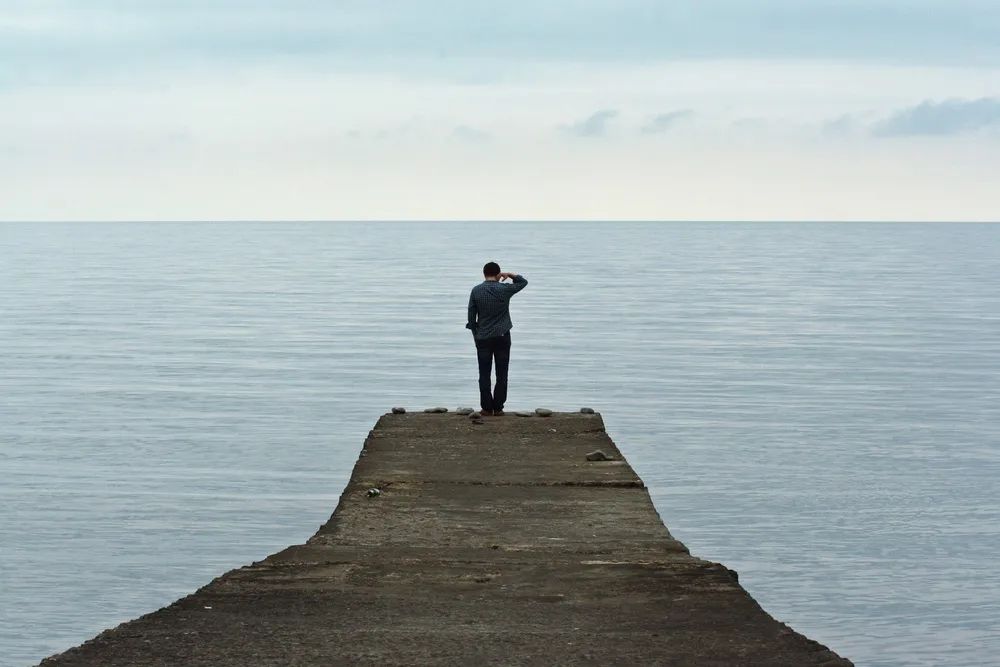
{"x":487,"y":350}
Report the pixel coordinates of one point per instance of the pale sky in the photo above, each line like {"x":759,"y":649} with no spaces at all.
{"x":475,"y":109}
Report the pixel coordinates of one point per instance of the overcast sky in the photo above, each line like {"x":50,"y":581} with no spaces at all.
{"x":585,"y":109}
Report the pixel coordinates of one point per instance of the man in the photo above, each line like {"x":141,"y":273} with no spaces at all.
{"x":489,"y":320}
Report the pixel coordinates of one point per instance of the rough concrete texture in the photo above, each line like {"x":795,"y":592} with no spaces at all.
{"x":489,"y":544}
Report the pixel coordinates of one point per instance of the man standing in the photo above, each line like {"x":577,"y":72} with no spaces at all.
{"x":489,"y":320}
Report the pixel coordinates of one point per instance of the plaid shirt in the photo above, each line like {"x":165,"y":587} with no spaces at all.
{"x":489,"y":311}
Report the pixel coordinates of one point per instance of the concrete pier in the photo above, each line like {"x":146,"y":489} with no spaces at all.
{"x":492,"y":543}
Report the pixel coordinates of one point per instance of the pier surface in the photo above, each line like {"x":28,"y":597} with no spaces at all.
{"x":493,"y":543}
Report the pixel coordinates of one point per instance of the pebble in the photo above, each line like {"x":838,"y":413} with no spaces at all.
{"x":436,"y":410}
{"x":478,"y":420}
{"x":543,"y":412}
{"x":398,"y":411}
{"x":525,"y":414}
{"x":465,"y":411}
{"x":372,"y":493}
{"x":598,"y":455}
{"x":587,"y":411}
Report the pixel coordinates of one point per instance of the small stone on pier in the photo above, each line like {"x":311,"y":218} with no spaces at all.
{"x":398,"y":411}
{"x":598,"y":455}
{"x":436,"y":410}
{"x":543,"y":412}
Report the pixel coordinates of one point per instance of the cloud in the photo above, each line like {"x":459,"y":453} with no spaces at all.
{"x":941,"y":118}
{"x":665,"y":121}
{"x":594,"y":125}
{"x":66,"y":40}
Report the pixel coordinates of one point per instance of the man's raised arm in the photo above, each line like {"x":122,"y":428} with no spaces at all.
{"x":520,"y":282}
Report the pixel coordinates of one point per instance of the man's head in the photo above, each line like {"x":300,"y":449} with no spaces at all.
{"x":491,"y":270}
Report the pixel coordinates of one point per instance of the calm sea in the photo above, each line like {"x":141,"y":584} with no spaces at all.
{"x":815,"y":405}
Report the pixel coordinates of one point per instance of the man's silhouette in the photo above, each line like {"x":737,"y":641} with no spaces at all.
{"x":489,"y":320}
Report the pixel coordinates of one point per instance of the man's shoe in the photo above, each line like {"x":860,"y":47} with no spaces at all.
{"x":486,"y":413}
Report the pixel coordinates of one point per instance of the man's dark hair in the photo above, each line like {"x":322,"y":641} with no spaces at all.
{"x":491,"y":269}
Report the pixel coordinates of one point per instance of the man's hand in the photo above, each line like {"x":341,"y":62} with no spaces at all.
{"x":505,"y":276}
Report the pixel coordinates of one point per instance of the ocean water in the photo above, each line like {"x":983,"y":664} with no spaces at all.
{"x":815,"y":405}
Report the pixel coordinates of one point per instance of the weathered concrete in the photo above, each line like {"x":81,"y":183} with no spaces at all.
{"x":496,"y":543}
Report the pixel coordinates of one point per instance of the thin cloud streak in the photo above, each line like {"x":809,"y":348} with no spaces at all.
{"x":594,"y":125}
{"x":941,"y":118}
{"x":664,"y":121}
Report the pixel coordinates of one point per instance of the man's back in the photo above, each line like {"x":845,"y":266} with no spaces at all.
{"x":489,"y":307}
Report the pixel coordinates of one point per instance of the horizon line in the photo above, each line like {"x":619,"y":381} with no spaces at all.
{"x":491,"y":220}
